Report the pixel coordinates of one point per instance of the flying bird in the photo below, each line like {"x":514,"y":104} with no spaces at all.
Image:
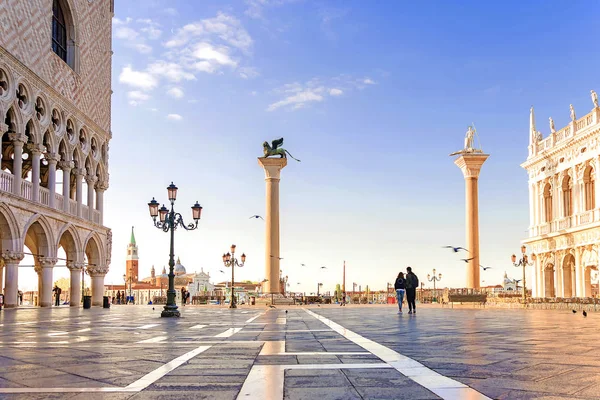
{"x":323,"y":267}
{"x":584,"y":314}
{"x":221,"y":271}
{"x":303,"y":265}
{"x":297,"y":283}
{"x":467,"y":259}
{"x":485,"y":268}
{"x":455,"y":249}
{"x":256,"y":217}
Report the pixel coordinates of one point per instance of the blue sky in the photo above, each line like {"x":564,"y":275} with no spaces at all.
{"x":371,"y":96}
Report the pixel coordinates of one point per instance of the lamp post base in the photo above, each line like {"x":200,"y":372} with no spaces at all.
{"x":170,"y":311}
{"x":233,"y":306}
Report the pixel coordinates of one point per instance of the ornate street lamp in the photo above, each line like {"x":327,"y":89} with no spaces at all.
{"x":434,"y":279}
{"x":523,"y":262}
{"x":168,"y":222}
{"x":229,"y":260}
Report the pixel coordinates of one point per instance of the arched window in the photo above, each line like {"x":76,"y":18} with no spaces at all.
{"x":566,"y":197}
{"x":59,"y":31}
{"x":589,"y":181}
{"x":548,"y":203}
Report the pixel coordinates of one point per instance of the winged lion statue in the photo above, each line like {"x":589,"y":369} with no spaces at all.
{"x":275,"y":150}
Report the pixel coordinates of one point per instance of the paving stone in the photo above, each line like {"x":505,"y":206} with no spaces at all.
{"x":324,"y":393}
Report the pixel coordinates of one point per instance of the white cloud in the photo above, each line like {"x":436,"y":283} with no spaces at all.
{"x":142,"y":48}
{"x":175,"y":92}
{"x":133,"y":103}
{"x":152,"y":32}
{"x":126,"y":33}
{"x":297,"y":100}
{"x":137,"y":79}
{"x":248,"y":72}
{"x":368,"y":81}
{"x":256,"y":7}
{"x":336,"y":92}
{"x":154,"y":109}
{"x":174,"y":117}
{"x":170,"y":71}
{"x":213,"y":55}
{"x":137,"y":95}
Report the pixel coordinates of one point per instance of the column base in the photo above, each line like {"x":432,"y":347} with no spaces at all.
{"x":97,"y":304}
{"x":170,"y":313}
{"x":74,"y":304}
{"x":46,"y":305}
{"x":10,"y":306}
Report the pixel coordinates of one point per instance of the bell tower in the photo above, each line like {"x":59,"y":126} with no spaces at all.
{"x":131,"y":265}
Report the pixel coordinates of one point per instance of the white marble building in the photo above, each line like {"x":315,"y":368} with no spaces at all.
{"x":200,"y":284}
{"x":55,"y":93}
{"x":564,"y":224}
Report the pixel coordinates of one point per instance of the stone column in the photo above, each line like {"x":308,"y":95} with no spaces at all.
{"x":97,"y":286}
{"x":36,"y":152}
{"x":470,"y":165}
{"x":531,"y":209}
{"x":52,"y":161}
{"x":79,"y":174}
{"x":536,"y":278}
{"x":46,"y":266}
{"x":272,"y":167}
{"x":91,"y":182}
{"x":3,"y":130}
{"x":11,"y":262}
{"x":66,"y":167}
{"x":75,"y":290}
{"x":100,"y":189}
{"x":18,"y":143}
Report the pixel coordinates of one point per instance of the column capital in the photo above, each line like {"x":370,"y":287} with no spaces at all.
{"x":470,"y":164}
{"x":97,"y":270}
{"x":272,"y":166}
{"x":91,"y":179}
{"x":12,"y":257}
{"x":17,"y":137}
{"x":79,"y":172}
{"x":47,"y":262}
{"x":102,"y":186}
{"x":75,"y":266}
{"x":66,"y":165}
{"x":52,"y":158}
{"x":36,"y":149}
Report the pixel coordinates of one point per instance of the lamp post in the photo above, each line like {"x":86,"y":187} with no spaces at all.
{"x":130,"y":281}
{"x":168,"y":222}
{"x":434,"y":279}
{"x":229,"y":260}
{"x":318,"y":288}
{"x":523,"y":262}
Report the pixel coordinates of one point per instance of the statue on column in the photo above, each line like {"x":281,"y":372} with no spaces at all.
{"x":594,"y":98}
{"x":552,"y":129}
{"x":275,"y":150}
{"x":573,"y":116}
{"x":469,"y":146}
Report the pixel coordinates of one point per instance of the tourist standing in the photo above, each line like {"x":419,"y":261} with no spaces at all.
{"x":57,"y":292}
{"x":411,"y":284}
{"x":400,"y":286}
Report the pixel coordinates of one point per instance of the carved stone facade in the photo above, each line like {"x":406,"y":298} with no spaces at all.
{"x":564,"y":224}
{"x":54,"y":116}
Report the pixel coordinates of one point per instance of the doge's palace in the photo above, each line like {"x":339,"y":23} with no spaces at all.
{"x":55,"y":92}
{"x":564,"y":218}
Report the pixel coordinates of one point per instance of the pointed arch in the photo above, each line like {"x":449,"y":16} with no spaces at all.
{"x":37,"y":235}
{"x":9,"y":230}
{"x":70,"y":241}
{"x":14,"y":120}
{"x":49,"y":141}
{"x":63,"y":150}
{"x":93,"y":249}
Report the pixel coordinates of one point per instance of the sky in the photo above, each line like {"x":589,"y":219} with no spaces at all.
{"x":371,"y":97}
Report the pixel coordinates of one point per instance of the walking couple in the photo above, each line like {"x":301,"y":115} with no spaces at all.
{"x":407,"y":284}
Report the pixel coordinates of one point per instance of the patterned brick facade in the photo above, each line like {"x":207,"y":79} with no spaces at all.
{"x":25,"y":33}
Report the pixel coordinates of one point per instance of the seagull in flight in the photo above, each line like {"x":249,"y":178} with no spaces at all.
{"x":467,"y":259}
{"x":485,"y":268}
{"x":281,"y":258}
{"x":323,"y":267}
{"x":298,"y":283}
{"x":455,"y":249}
{"x":221,"y":271}
{"x":256,"y":217}
{"x":303,"y":265}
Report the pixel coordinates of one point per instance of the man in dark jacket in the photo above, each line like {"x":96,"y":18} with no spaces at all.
{"x":412,"y":283}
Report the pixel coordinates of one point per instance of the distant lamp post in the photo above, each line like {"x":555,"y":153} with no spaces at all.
{"x":319,"y":285}
{"x":168,"y":222}
{"x":434,"y":279}
{"x":130,"y":281}
{"x":229,"y":260}
{"x":523,"y":262}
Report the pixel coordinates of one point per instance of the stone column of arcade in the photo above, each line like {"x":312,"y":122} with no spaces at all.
{"x":75,"y":290}
{"x":470,"y":165}
{"x":97,"y":274}
{"x":272,"y":167}
{"x":46,"y":265}
{"x":19,"y":141}
{"x":11,"y":263}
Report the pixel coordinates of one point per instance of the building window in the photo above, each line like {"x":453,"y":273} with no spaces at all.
{"x":59,"y":31}
{"x":548,"y":203}
{"x":589,"y":186}
{"x":566,"y":190}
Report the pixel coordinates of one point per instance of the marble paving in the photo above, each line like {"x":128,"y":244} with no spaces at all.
{"x":353,"y":352}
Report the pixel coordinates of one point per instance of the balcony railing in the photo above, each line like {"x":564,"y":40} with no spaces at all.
{"x":6,"y":185}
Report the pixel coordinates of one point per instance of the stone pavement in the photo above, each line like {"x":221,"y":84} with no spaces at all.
{"x":353,"y":352}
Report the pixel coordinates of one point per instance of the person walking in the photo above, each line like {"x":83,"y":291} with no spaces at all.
{"x":411,"y":284}
{"x":400,"y":286}
{"x":57,"y":291}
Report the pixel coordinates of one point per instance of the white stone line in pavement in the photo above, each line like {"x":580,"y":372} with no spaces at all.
{"x":245,"y":312}
{"x":446,"y":388}
{"x":281,"y":321}
{"x":291,"y":331}
{"x":136,"y":386}
{"x":198,"y":327}
{"x":154,"y":339}
{"x":62,"y":333}
{"x":256,"y":316}
{"x":277,"y":348}
{"x":266,"y":381}
{"x":148,"y":326}
{"x":229,"y":332}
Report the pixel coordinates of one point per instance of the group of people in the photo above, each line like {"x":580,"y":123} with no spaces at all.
{"x":407,"y":284}
{"x":121,"y":297}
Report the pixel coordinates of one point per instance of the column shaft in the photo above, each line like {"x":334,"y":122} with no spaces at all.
{"x":46,"y":297}
{"x":17,"y":167}
{"x":100,"y":203}
{"x":97,"y":289}
{"x":1,"y":277}
{"x":12,"y":284}
{"x":52,"y":182}
{"x":272,"y":235}
{"x":75,"y":290}
{"x":66,"y":188}
{"x":35,"y":175}
{"x":578,"y":273}
{"x":79,"y":191}
{"x":472,"y":224}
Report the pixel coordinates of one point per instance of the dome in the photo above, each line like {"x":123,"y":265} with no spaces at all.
{"x":179,"y":269}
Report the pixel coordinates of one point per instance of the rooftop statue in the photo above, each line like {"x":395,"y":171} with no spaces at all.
{"x":552,"y":129}
{"x":594,"y":98}
{"x":573,"y":116}
{"x":275,"y":150}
